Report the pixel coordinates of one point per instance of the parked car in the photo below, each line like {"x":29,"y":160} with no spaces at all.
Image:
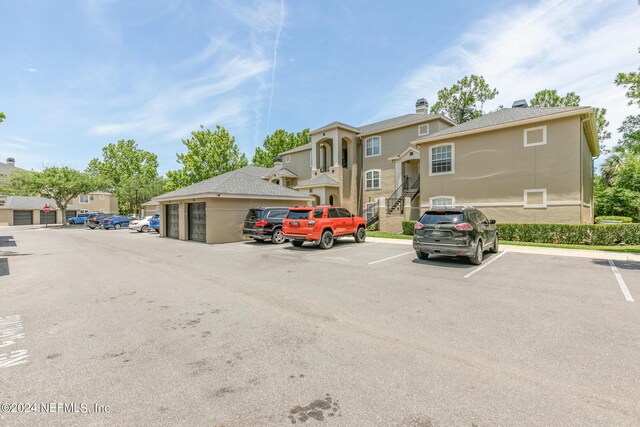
{"x":141,"y":225}
{"x":78,"y":219}
{"x":452,"y":231}
{"x":93,"y":220}
{"x":154,"y":223}
{"x":322,"y":225}
{"x":265,"y":224}
{"x":116,"y":222}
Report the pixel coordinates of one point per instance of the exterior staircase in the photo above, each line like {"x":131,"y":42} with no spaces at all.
{"x":395,"y":203}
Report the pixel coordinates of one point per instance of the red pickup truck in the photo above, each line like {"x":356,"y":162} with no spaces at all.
{"x":321,"y":225}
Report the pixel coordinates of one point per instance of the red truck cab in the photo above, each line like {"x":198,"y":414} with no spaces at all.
{"x":322,"y":225}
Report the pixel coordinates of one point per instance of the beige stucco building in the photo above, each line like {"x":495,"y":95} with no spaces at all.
{"x":98,"y":201}
{"x":515,"y":164}
{"x":384,"y":170}
{"x":213,"y":210}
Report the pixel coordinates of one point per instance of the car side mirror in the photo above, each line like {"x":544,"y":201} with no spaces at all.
{"x":492,"y":221}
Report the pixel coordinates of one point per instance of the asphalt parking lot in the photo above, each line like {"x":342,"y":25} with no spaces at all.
{"x":169,"y":332}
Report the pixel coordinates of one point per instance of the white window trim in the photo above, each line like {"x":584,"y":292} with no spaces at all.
{"x":365,"y":146}
{"x":428,"y":129}
{"x":431,"y":199}
{"x":528,"y":205}
{"x":80,"y":199}
{"x":453,"y":159}
{"x":379,"y":187}
{"x":311,"y":159}
{"x":287,"y":158}
{"x":533,"y":144}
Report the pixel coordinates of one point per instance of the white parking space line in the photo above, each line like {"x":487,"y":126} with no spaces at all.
{"x":485,"y":264}
{"x":391,"y":257}
{"x":623,"y":286}
{"x":322,"y":251}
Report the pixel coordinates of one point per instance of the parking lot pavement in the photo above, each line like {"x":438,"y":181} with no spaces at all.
{"x":171,"y":332}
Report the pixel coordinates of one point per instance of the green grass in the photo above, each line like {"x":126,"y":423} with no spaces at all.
{"x":628,"y":249}
{"x":386,"y":235}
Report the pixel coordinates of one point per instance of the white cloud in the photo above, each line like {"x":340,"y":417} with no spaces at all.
{"x":30,"y":70}
{"x":565,"y":45}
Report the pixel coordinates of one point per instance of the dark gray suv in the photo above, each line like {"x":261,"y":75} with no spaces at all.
{"x":451,"y":231}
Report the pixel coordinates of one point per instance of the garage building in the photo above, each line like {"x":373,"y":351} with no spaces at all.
{"x":26,"y":210}
{"x":213,"y":210}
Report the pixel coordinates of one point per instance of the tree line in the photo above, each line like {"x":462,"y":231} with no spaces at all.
{"x":131,"y":173}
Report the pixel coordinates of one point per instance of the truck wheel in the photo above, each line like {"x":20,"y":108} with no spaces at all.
{"x":326,"y":241}
{"x":477,"y":258}
{"x":422,"y":255}
{"x":277,"y":237}
{"x":297,"y":243}
{"x":361,"y":234}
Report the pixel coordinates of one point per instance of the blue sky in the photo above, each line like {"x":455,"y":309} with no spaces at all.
{"x":76,"y":75}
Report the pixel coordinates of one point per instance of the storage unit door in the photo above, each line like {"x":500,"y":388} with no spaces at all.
{"x":197,"y":213}
{"x":70,"y":214}
{"x":47,"y":217}
{"x":173,"y":218}
{"x":22,"y":217}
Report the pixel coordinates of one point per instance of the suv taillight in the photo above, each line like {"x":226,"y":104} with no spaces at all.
{"x":463,"y":226}
{"x":418,"y":225}
{"x":311,"y":223}
{"x":261,"y":223}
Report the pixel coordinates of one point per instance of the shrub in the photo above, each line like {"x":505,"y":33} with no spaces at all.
{"x":624,"y":219}
{"x":407,"y":227}
{"x":572,"y":234}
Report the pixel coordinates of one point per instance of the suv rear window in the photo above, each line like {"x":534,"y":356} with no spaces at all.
{"x":442,"y":217}
{"x":277,"y":214}
{"x":298,"y":215}
{"x":254,"y":214}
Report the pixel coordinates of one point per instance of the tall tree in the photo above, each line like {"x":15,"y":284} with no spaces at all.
{"x":465,"y":99}
{"x":631,"y":81}
{"x":209,"y":153}
{"x":2,"y":117}
{"x":61,"y":184}
{"x":551,"y":98}
{"x":123,"y":163}
{"x":276,"y":143}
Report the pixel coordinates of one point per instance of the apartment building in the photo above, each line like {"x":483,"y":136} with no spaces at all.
{"x":517,"y":164}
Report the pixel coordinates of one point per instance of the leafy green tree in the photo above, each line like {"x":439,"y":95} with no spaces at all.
{"x":123,"y":163}
{"x":209,"y":153}
{"x":550,"y":98}
{"x":465,"y":99}
{"x":136,"y":190}
{"x":2,"y":117}
{"x":276,"y":143}
{"x":631,"y":81}
{"x":62,"y":184}
{"x":630,"y":139}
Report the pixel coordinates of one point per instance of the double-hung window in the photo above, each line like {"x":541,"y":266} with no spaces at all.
{"x":372,"y":179}
{"x":441,"y":158}
{"x":84,"y":199}
{"x":372,"y":146}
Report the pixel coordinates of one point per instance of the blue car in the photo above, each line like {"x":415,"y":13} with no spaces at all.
{"x":79,"y":219}
{"x":117,"y":222}
{"x":155,"y":222}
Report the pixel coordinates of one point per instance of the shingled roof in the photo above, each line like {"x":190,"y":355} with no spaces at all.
{"x":246,"y":181}
{"x":406,"y":119}
{"x":501,"y":117}
{"x":29,"y":202}
{"x":319,"y":181}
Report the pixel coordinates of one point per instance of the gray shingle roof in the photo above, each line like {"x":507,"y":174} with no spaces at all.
{"x":246,"y":181}
{"x":319,"y":181}
{"x":286,"y":173}
{"x":5,"y":169}
{"x":407,"y":119}
{"x":258,"y":171}
{"x":503,"y":116}
{"x":28,"y":202}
